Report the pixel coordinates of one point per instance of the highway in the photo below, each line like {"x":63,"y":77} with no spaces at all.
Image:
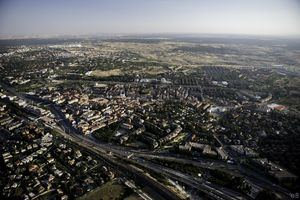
{"x":253,"y":177}
{"x":193,"y":182}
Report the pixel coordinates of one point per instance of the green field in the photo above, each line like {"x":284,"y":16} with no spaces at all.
{"x":109,"y":191}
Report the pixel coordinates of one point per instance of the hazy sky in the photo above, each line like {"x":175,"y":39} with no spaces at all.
{"x":40,"y":17}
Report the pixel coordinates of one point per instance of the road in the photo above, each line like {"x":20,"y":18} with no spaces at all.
{"x":193,"y":182}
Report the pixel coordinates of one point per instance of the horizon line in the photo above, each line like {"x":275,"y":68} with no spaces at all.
{"x":115,"y":34}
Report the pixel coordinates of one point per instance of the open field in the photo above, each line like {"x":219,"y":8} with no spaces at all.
{"x":106,"y":73}
{"x":109,"y":191}
{"x":207,"y":53}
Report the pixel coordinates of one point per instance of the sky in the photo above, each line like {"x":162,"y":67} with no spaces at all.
{"x":85,"y":17}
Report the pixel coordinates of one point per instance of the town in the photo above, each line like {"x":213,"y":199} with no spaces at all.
{"x":81,"y":117}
